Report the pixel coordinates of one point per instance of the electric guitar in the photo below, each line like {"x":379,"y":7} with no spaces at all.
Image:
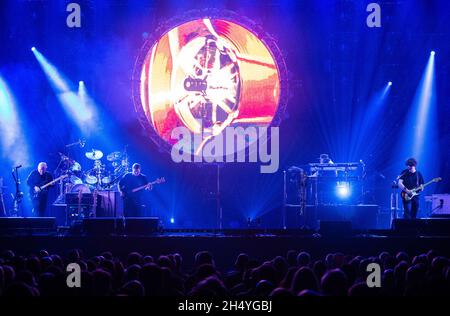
{"x":416,"y":191}
{"x":40,"y":188}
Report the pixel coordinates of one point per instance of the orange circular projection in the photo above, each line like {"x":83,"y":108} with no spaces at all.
{"x":205,"y":75}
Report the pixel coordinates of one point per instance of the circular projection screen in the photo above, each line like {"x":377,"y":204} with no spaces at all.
{"x":206,"y":75}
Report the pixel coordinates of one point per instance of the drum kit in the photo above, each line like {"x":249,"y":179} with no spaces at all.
{"x":99,"y":177}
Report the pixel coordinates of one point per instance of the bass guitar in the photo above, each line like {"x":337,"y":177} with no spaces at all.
{"x":127,"y":191}
{"x":146,"y":186}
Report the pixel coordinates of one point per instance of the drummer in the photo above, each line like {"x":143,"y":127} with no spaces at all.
{"x":76,"y":169}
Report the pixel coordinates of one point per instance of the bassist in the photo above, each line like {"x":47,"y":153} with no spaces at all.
{"x":407,"y":181}
{"x":133,"y":201}
{"x":39,"y":197}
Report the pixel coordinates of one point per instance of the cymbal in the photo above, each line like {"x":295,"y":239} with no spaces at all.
{"x":94,"y":154}
{"x":114,"y":156}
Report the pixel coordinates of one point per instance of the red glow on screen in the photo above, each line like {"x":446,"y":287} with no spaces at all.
{"x":208,"y":74}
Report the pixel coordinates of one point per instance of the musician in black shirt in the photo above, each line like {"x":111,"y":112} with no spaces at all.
{"x":408,"y":180}
{"x":133,"y":201}
{"x":35,"y":181}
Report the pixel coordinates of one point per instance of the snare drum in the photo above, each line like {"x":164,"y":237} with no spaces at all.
{"x":106,"y":179}
{"x":91,"y":178}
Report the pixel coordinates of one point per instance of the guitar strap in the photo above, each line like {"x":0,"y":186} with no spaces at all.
{"x":401,"y":175}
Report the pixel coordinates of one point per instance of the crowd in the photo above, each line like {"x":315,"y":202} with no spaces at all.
{"x":293,"y":274}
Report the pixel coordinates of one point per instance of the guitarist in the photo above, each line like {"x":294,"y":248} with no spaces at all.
{"x":37,"y":179}
{"x":408,"y":180}
{"x":133,"y":201}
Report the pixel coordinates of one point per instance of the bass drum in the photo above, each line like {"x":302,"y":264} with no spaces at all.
{"x":77,"y":188}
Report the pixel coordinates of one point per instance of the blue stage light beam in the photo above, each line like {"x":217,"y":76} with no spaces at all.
{"x":420,"y":138}
{"x":82,"y":95}
{"x":82,"y":112}
{"x":424,"y":101}
{"x":13,"y":141}
{"x":366,"y":134}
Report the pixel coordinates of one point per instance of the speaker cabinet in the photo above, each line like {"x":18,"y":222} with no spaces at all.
{"x":423,"y":226}
{"x":15,"y":225}
{"x":102,"y":226}
{"x":142,"y":225}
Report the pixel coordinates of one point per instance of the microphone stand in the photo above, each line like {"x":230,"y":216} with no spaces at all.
{"x":61,"y":199}
{"x":19,"y":194}
{"x":2,"y":202}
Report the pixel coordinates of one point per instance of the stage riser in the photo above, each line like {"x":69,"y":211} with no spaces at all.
{"x":335,"y":228}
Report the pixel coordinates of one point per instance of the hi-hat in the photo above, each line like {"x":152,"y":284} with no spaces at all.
{"x":114,"y":156}
{"x":94,"y":154}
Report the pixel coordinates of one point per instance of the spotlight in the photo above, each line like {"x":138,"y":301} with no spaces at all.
{"x":390,"y":83}
{"x":343,"y":190}
{"x":81,"y":82}
{"x":33,"y":49}
{"x":172,"y":220}
{"x":432,"y":53}
{"x":78,"y":106}
{"x":12,"y":134}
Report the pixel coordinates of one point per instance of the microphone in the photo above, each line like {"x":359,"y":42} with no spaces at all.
{"x":17,"y":167}
{"x":80,"y":142}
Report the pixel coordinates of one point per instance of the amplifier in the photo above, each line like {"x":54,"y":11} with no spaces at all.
{"x":86,"y":199}
{"x":109,"y":203}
